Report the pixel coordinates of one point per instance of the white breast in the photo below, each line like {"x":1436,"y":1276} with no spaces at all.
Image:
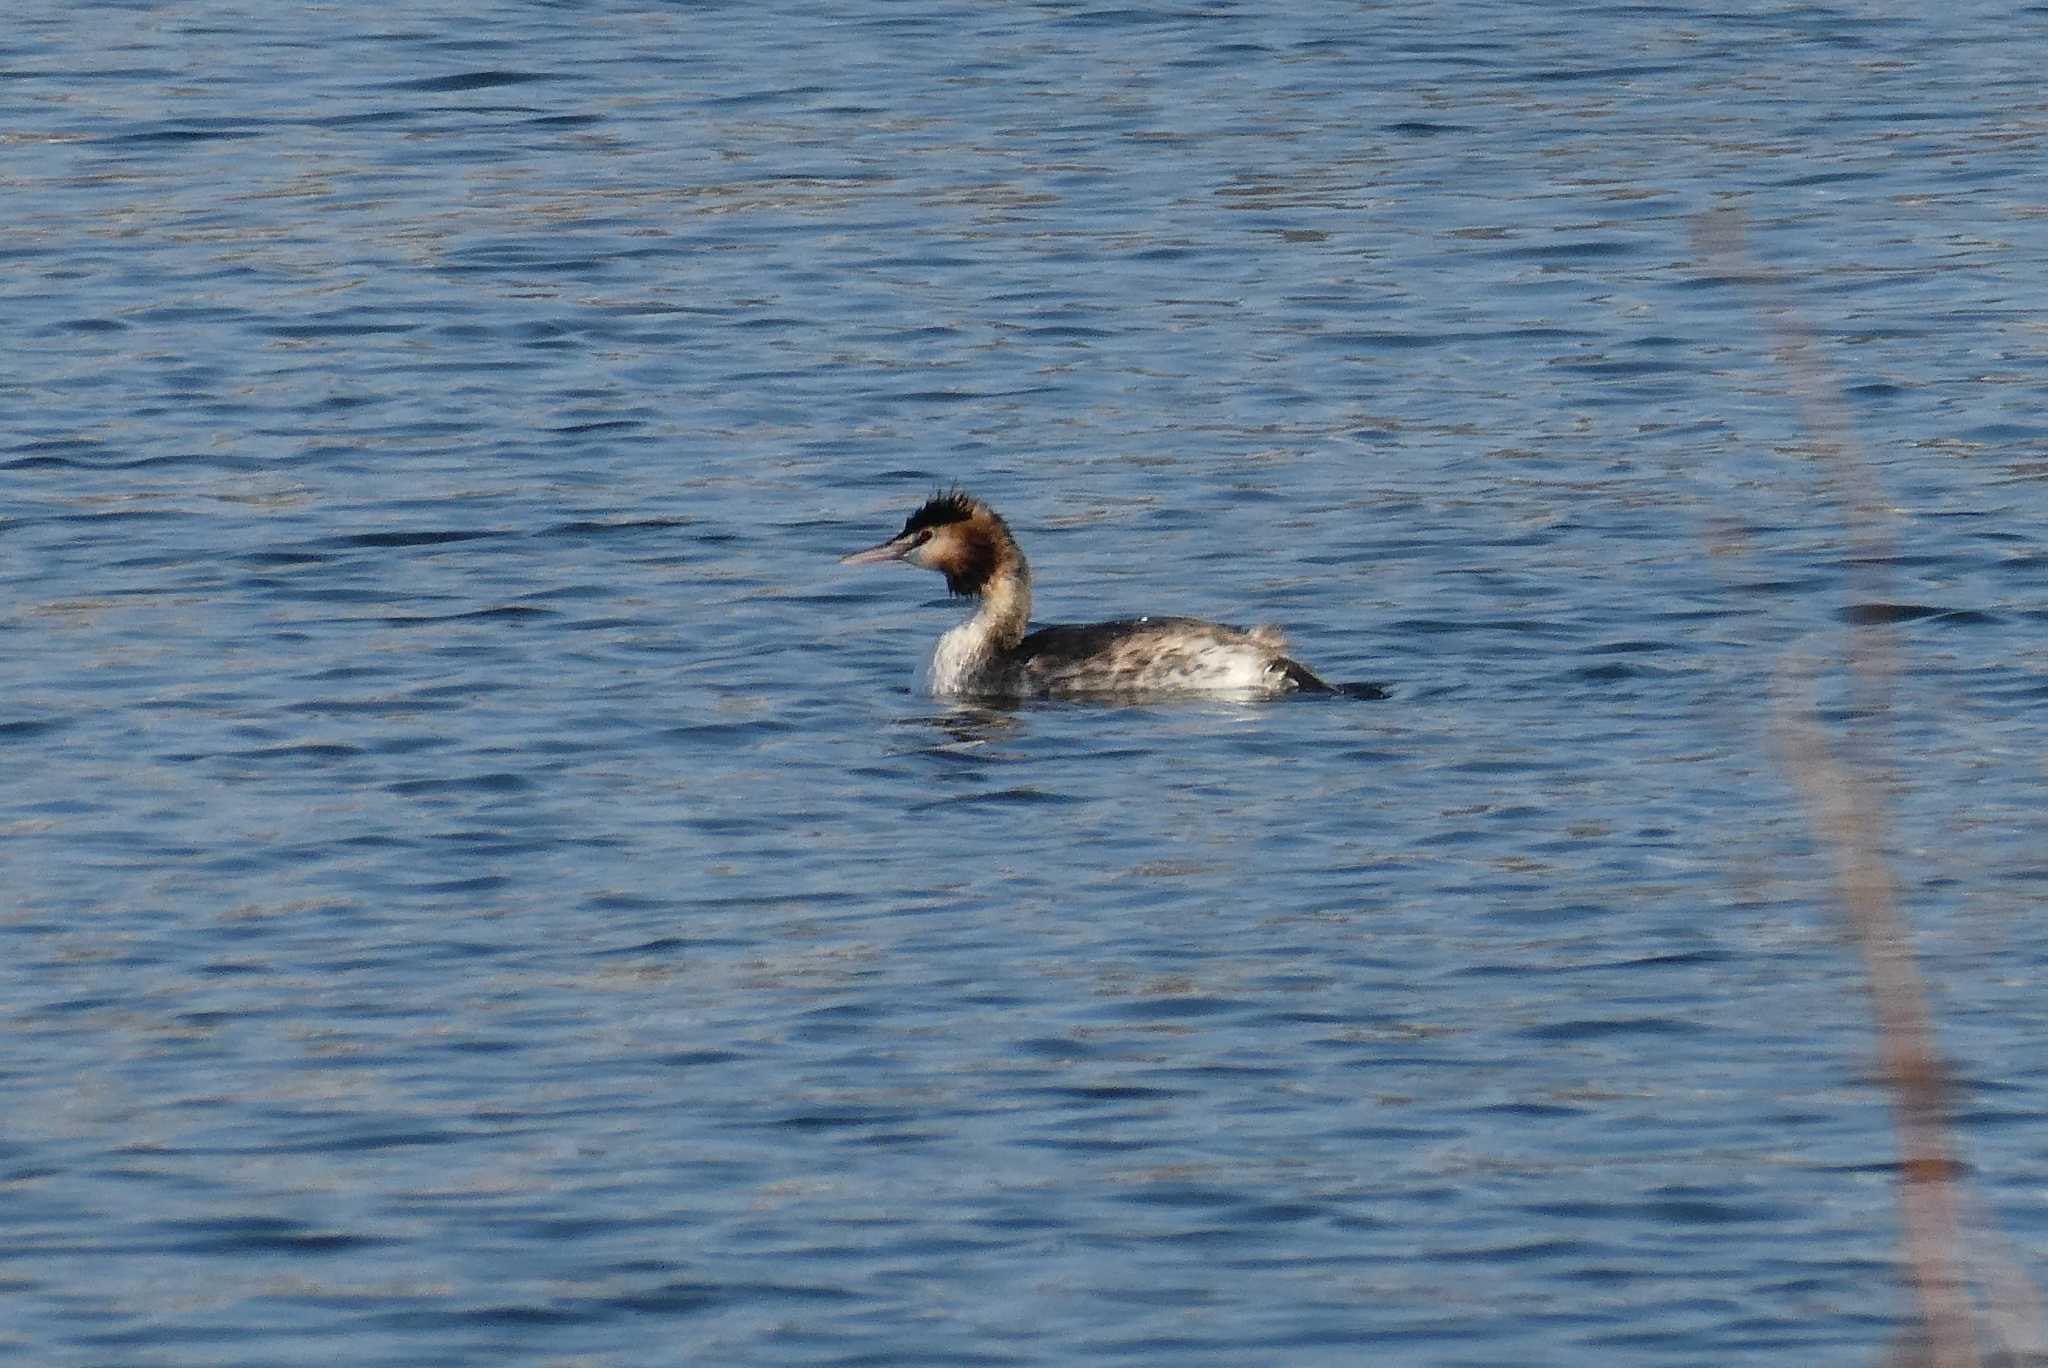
{"x":959,"y":658}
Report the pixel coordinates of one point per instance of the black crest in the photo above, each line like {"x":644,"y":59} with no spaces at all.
{"x":952,"y":506}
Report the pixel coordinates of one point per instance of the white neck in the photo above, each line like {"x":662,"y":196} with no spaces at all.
{"x":965,"y":654}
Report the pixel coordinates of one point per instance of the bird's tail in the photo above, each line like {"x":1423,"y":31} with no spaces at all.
{"x":1301,"y":676}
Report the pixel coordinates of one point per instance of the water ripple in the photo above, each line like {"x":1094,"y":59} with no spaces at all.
{"x":481,"y":884}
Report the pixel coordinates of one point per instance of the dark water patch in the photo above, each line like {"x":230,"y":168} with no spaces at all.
{"x":532,"y":259}
{"x":766,"y":323}
{"x":1182,"y":1196}
{"x":179,"y":136}
{"x":675,"y":1299}
{"x":598,"y":528}
{"x":787,"y":95}
{"x":1381,"y":340}
{"x":730,"y":826}
{"x":1788,"y":587}
{"x":1603,"y":368}
{"x":511,"y":612}
{"x":1057,"y":1047}
{"x":669,"y":946}
{"x":1150,"y":254}
{"x":1535,"y":334}
{"x":1584,"y":249}
{"x":1538,"y":1250}
{"x":1614,"y":672}
{"x":1450,"y":627}
{"x":45,"y":463}
{"x":1253,"y":1215}
{"x":367,"y":119}
{"x":1878,"y":614}
{"x":843,"y":1014}
{"x":312,"y":750}
{"x":955,"y":396}
{"x":1697,"y":1211}
{"x":571,"y":592}
{"x":334,"y":326}
{"x":500,"y":782}
{"x":614,"y":624}
{"x":90,"y":326}
{"x":166,"y":314}
{"x":598,"y":425}
{"x":1975,"y":1118}
{"x":1001,"y":798}
{"x":467,"y":81}
{"x":523,"y":1317}
{"x":1125,"y":16}
{"x":1085,"y":1144}
{"x":123,"y":515}
{"x":31,"y":729}
{"x":1955,"y":1169}
{"x":1107,"y":1092}
{"x":685,"y":1297}
{"x":1530,"y":1111}
{"x":439,"y":537}
{"x":487,"y":844}
{"x":158,"y":560}
{"x":841,"y":1119}
{"x":1175,"y":1007}
{"x":380,"y":707}
{"x":922,"y":261}
{"x":304,"y":589}
{"x":1605,"y":75}
{"x":259,"y":1235}
{"x":728,"y":735}
{"x":697,"y":1059}
{"x":1591,"y":1029}
{"x":1724,"y":280}
{"x":486,"y":1047}
{"x":2004,"y":434}
{"x":347,"y":403}
{"x":281,"y":558}
{"x":1066,"y":332}
{"x":1810,"y":179}
{"x":67,"y":1006}
{"x":1677,"y":959}
{"x":625,"y":902}
{"x":1526,"y":764}
{"x":152,"y":1336}
{"x":1536,"y":913}
{"x":1912,"y":560}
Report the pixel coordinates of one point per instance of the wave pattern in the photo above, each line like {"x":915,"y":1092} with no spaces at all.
{"x":479,"y":888}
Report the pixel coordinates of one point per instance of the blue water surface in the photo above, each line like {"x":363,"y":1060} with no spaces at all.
{"x":480,"y":886}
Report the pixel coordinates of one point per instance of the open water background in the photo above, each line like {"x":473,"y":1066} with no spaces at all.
{"x":479,"y":888}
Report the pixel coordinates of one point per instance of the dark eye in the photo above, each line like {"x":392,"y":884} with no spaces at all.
{"x":924,"y":534}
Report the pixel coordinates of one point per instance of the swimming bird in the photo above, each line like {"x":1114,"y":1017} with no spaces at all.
{"x":993,"y":655}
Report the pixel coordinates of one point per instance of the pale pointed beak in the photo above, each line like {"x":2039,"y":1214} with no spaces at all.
{"x":896,"y":548}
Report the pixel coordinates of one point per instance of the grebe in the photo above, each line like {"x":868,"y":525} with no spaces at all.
{"x":991,"y":656}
